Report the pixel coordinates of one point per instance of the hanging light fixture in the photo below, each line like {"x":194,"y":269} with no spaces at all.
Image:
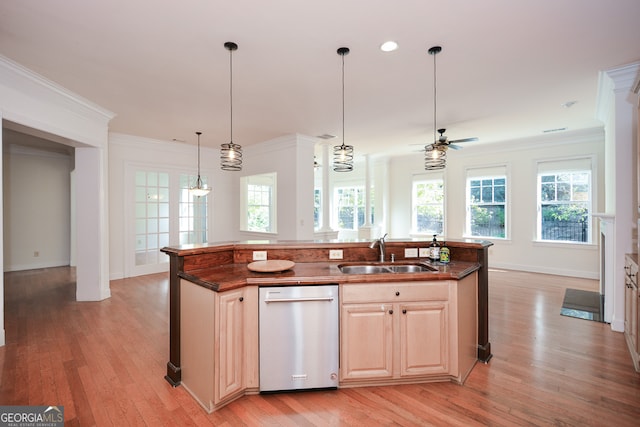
{"x":199,"y":189}
{"x":343,"y":154}
{"x":435,"y":156}
{"x":231,"y":154}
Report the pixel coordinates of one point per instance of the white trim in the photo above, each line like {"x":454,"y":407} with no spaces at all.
{"x":544,"y":270}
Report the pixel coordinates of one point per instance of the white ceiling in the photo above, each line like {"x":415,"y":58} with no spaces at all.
{"x":504,"y":72}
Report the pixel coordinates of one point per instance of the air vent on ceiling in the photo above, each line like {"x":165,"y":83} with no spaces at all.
{"x":554,"y":130}
{"x":326,"y":136}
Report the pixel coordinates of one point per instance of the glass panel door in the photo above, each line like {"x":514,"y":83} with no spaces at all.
{"x":152,"y":217}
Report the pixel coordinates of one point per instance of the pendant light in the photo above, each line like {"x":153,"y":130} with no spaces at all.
{"x":343,"y":154}
{"x":199,"y":189}
{"x":231,"y":154}
{"x":435,"y":156}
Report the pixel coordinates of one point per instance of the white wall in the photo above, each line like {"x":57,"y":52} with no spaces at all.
{"x":37,"y":217}
{"x":519,"y":251}
{"x":291,"y":157}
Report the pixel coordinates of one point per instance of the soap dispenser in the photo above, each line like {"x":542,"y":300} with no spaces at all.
{"x":445,"y":255}
{"x":434,"y":250}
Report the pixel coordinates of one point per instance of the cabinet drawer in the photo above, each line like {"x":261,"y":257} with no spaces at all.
{"x":437,"y":290}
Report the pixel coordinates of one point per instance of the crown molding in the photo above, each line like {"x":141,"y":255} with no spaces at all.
{"x":18,"y":76}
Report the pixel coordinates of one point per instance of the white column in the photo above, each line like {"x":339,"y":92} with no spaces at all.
{"x":621,"y":129}
{"x":92,"y":245}
{"x":326,"y":232}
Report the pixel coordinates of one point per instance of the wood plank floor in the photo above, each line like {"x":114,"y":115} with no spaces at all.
{"x":105,"y":363}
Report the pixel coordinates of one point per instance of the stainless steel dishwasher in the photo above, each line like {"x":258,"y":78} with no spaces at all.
{"x":298,"y":337}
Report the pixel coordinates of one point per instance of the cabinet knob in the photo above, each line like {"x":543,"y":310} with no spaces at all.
{"x":241,"y":299}
{"x":404,"y":311}
{"x":397,"y":293}
{"x":390,"y":311}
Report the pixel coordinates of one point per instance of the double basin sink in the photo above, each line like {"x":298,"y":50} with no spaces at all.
{"x":384,"y":267}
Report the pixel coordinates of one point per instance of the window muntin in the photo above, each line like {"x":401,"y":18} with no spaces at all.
{"x":427,"y":206}
{"x":564,"y":206}
{"x":486,"y":206}
{"x":259,"y":203}
{"x":151,"y":216}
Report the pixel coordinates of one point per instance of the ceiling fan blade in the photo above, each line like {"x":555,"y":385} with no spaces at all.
{"x":463,"y":140}
{"x":455,"y":147}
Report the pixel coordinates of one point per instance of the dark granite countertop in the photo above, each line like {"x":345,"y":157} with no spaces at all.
{"x":231,"y":276}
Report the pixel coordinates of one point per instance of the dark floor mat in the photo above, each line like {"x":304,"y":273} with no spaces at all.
{"x":583,"y":305}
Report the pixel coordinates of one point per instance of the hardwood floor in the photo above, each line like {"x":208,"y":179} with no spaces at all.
{"x":105,"y":363}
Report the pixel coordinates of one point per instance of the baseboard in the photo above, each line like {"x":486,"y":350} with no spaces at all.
{"x":35,"y":266}
{"x":545,"y":270}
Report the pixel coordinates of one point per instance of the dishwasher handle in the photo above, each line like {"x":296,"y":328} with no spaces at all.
{"x":301,"y":299}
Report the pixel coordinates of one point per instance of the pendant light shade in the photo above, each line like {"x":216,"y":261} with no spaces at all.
{"x":199,"y":189}
{"x":435,"y":156}
{"x":231,"y":154}
{"x":343,"y":154}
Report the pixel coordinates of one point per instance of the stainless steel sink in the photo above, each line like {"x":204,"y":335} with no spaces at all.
{"x":384,"y":268}
{"x":410,"y":268}
{"x":363,"y":269}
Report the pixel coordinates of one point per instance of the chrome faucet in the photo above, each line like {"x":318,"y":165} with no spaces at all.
{"x":380,"y":243}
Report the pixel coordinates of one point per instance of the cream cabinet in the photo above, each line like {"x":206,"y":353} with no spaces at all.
{"x":407,"y":331}
{"x":631,"y":312}
{"x":219,"y":345}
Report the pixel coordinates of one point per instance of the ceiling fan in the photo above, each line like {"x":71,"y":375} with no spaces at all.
{"x":435,"y":153}
{"x":443,"y":141}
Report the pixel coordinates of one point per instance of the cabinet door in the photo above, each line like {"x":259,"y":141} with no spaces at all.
{"x":424,"y":338}
{"x":366,"y":341}
{"x":230,"y":351}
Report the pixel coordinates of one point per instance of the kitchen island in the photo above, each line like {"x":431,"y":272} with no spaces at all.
{"x":214,"y":313}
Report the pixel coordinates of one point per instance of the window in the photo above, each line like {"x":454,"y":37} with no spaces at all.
{"x":350,"y":209}
{"x":258,"y":203}
{"x":193,"y":212}
{"x":427,"y":206}
{"x":486,"y":202}
{"x":151,"y":216}
{"x":564,"y":201}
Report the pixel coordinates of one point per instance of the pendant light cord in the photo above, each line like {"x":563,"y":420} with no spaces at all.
{"x":231,"y":95}
{"x":198,"y":133}
{"x":342,"y":99}
{"x":435,"y":99}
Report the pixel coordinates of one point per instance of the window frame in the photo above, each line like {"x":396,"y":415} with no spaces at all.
{"x":483,"y":173}
{"x":359,"y":203}
{"x":425,"y":178}
{"x":570,"y":166}
{"x":269,"y":180}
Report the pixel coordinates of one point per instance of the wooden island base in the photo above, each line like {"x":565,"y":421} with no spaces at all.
{"x":394,"y":328}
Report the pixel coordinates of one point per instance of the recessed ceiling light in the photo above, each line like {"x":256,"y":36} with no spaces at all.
{"x":389,"y":46}
{"x":569,"y":104}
